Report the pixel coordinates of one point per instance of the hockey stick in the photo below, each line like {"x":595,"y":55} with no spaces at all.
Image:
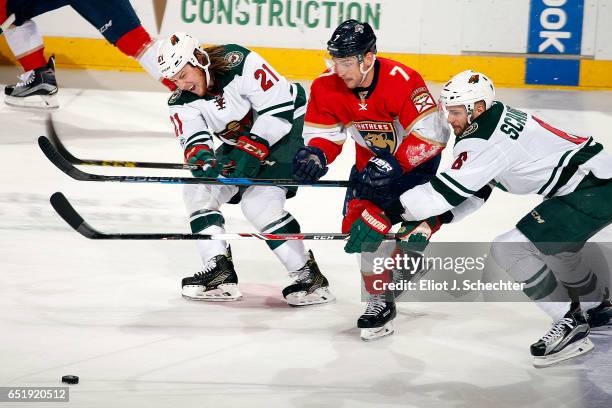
{"x":64,"y":165}
{"x":61,"y":149}
{"x":65,"y":210}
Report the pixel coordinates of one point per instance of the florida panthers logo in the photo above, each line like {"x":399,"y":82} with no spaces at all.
{"x":379,"y":141}
{"x":378,"y":136}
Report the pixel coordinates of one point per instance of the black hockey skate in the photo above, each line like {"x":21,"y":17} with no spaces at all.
{"x":601,"y":315}
{"x":403,"y":276}
{"x":566,"y":339}
{"x":36,"y":88}
{"x":216,"y":282}
{"x":376,"y":321}
{"x":310,"y":286}
{"x":400,"y":278}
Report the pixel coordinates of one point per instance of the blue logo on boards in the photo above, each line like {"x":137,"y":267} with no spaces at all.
{"x":555,"y":28}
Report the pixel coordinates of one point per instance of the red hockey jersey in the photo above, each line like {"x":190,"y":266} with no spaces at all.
{"x":396,"y":114}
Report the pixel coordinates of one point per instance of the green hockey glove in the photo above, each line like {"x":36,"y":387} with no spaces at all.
{"x":245,"y":158}
{"x":200,"y":155}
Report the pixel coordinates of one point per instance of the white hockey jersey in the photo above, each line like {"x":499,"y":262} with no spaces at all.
{"x":250,"y":97}
{"x":516,"y":152}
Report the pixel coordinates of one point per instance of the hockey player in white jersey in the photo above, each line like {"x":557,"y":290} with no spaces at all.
{"x":231,"y":92}
{"x":497,"y":145}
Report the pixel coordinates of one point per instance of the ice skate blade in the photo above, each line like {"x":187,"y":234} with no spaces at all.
{"x":377,"y":333}
{"x":574,"y":350}
{"x":227,"y":292}
{"x":33,"y":102}
{"x":600,"y":320}
{"x":319,"y":296}
{"x":602,"y":328}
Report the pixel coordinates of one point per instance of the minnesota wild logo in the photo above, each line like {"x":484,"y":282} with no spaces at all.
{"x":474,"y":79}
{"x":231,"y":131}
{"x":471,"y":129}
{"x":234,"y":58}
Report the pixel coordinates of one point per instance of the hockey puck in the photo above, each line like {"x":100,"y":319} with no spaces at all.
{"x":70,"y":379}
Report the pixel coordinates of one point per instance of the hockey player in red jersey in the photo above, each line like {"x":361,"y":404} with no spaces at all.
{"x":387,"y":109}
{"x":115,"y":19}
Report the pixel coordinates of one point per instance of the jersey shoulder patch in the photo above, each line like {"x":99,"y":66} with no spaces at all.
{"x":484,"y":126}
{"x":235,"y":55}
{"x":180,"y":97}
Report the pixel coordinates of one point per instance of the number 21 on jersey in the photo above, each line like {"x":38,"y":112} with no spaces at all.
{"x":262,"y":75}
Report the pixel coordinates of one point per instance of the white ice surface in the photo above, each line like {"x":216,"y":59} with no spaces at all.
{"x":111,"y":312}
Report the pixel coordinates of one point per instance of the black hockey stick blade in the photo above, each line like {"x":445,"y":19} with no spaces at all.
{"x":64,"y":165}
{"x":65,"y":210}
{"x":59,"y":146}
{"x":52,"y":135}
{"x":70,"y":161}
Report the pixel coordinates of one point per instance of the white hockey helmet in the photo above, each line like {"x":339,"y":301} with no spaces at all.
{"x":466,"y":88}
{"x":176,"y":51}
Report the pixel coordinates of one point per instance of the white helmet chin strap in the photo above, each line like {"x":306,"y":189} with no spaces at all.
{"x":469,"y":108}
{"x":364,"y":73}
{"x":205,"y":67}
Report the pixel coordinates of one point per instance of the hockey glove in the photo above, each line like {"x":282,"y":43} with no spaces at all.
{"x":353,"y":211}
{"x":368,"y":231}
{"x":377,"y":181}
{"x":200,"y":155}
{"x":309,"y":164}
{"x":415,"y":235}
{"x":245,"y":158}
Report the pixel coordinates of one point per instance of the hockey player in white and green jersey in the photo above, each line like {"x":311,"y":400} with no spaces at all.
{"x":498,"y":146}
{"x":232,"y":93}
